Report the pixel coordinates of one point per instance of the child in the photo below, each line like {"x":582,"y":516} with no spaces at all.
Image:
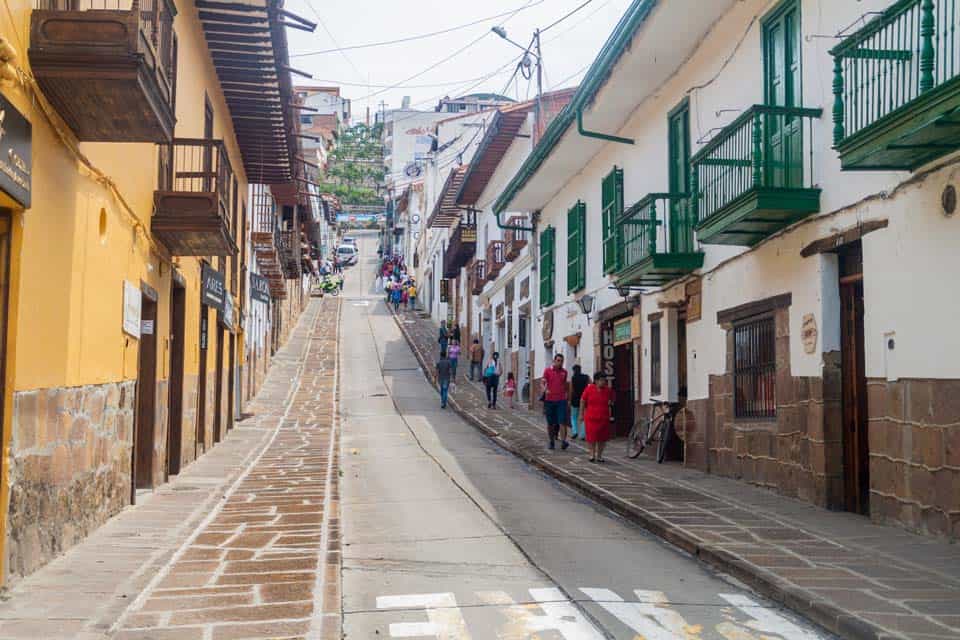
{"x":453,"y":354}
{"x":510,"y":389}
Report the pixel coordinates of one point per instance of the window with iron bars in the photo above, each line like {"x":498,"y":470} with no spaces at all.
{"x":755,"y":368}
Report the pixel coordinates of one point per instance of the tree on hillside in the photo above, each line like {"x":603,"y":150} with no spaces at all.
{"x":356,"y":167}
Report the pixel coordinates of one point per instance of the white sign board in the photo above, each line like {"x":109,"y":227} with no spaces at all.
{"x":131,"y":309}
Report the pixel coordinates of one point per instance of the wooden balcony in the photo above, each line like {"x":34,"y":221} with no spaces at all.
{"x":495,"y":259}
{"x":896,"y":84}
{"x":477,"y":277}
{"x":655,"y":241}
{"x":192,"y":208}
{"x":108,"y":67}
{"x":264,"y":238}
{"x":288,"y":245}
{"x":754,"y":178}
{"x":460,"y":250}
{"x":514,"y":240}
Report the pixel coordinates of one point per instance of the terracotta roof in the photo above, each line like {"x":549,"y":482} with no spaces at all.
{"x":500,"y":135}
{"x":445,"y":212}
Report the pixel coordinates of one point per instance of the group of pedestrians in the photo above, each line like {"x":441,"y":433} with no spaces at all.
{"x":590,"y":407}
{"x":398,"y":286}
{"x":489,"y":372}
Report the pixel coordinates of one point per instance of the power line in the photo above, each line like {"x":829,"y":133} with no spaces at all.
{"x":561,"y":19}
{"x":422,"y":36}
{"x":332,"y":38}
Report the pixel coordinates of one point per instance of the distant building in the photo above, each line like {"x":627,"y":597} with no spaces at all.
{"x":472,"y":103}
{"x":331,"y":116}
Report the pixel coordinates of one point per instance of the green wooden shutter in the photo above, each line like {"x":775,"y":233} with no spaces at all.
{"x":547,"y":266}
{"x":612,"y":208}
{"x":577,"y":247}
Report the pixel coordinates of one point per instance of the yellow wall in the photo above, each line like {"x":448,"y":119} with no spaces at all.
{"x":71,"y":286}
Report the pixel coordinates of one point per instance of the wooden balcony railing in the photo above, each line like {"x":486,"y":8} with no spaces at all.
{"x":477,"y":277}
{"x":756,"y":164}
{"x":108,"y":66}
{"x":896,"y":86}
{"x":514,"y":239}
{"x":495,"y":259}
{"x":460,"y":249}
{"x":192,"y":207}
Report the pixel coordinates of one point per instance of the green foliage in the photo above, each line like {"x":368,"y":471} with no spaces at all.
{"x":356,"y":166}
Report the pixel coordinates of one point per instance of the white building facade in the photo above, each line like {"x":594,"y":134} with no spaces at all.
{"x":776,"y":209}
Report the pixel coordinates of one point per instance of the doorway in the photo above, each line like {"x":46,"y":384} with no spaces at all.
{"x":231,"y":381}
{"x":5,"y":245}
{"x":856,"y":446}
{"x":200,"y":446}
{"x":218,"y":388}
{"x":178,"y":308}
{"x":623,"y":389}
{"x":144,"y":441}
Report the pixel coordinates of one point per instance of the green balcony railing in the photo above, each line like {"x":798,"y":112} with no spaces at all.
{"x":882,"y":70}
{"x":661,"y":223}
{"x":766,"y":149}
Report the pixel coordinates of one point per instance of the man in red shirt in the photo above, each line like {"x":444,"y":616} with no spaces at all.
{"x":554,"y":389}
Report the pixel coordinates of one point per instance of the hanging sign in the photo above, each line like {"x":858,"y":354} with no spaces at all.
{"x":623,"y":331}
{"x":259,"y":288}
{"x":131,"y":309}
{"x":15,"y":154}
{"x":146,"y":327}
{"x":203,"y":331}
{"x":607,"y":350}
{"x":228,"y":316}
{"x":212,"y":287}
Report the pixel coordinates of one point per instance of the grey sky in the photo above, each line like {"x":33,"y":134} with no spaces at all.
{"x":567,"y":48}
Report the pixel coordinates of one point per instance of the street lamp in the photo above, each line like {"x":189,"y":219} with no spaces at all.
{"x":525,"y":63}
{"x":586,"y":305}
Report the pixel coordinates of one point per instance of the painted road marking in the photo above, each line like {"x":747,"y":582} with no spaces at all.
{"x":445,"y":619}
{"x":650,"y":616}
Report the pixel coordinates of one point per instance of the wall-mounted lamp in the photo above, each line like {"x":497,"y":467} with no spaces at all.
{"x":586,"y":305}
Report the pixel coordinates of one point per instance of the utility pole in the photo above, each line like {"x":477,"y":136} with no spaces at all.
{"x":539,"y":119}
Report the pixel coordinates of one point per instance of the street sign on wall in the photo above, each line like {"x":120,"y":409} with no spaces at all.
{"x":259,"y":288}
{"x":212,"y":287}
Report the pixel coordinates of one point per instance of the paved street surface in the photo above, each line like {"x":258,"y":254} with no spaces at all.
{"x":856,"y":578}
{"x":235,"y":547}
{"x":445,"y":535}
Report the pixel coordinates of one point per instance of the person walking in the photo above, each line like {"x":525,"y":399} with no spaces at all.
{"x":554,"y":394}
{"x":443,"y":336}
{"x":396,"y":295}
{"x":510,"y":388}
{"x":455,"y":334}
{"x":412,"y":295}
{"x":578,"y":382}
{"x":595,"y":404}
{"x":476,"y":359}
{"x":443,"y":378}
{"x":453,"y":353}
{"x":491,"y":378}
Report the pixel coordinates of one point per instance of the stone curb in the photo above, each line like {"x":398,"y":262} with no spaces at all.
{"x":824,"y":613}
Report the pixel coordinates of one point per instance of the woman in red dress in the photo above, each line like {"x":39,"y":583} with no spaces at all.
{"x":595,"y":405}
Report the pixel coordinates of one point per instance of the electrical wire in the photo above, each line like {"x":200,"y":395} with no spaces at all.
{"x":564,"y":17}
{"x":333,"y":39}
{"x":422,"y":36}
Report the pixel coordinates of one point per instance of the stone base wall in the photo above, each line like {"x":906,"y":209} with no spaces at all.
{"x":915,"y":454}
{"x":160,"y":428}
{"x":69,"y":467}
{"x":188,"y":442}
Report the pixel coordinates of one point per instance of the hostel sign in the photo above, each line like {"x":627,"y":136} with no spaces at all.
{"x":259,"y":288}
{"x":15,"y":154}
{"x":212,"y":288}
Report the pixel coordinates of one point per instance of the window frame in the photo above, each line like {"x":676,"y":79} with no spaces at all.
{"x":611,"y":202}
{"x":577,"y":247}
{"x":760,"y":371}
{"x":656,"y":358}
{"x":548,"y":244}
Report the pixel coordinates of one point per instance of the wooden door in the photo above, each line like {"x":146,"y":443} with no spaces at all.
{"x":231,"y":378}
{"x":783,"y":164}
{"x":856,"y":445}
{"x":680,"y":227}
{"x":144,"y":426}
{"x":178,"y":302}
{"x":201,"y":444}
{"x":218,"y":388}
{"x":623,"y":387}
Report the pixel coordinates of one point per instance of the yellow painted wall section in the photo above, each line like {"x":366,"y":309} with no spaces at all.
{"x":79,"y":241}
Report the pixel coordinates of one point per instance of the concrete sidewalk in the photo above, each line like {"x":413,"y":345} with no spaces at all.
{"x":854,"y":578}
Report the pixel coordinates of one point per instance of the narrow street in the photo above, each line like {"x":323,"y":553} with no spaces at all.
{"x":446,"y":535}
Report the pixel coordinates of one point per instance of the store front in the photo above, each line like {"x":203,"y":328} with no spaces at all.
{"x":618,"y":328}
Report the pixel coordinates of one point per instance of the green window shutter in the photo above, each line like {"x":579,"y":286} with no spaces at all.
{"x":612,"y":204}
{"x":577,"y":247}
{"x":547,"y":266}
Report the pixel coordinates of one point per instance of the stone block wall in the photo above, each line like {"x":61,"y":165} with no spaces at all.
{"x":160,"y":427}
{"x":914,"y":439}
{"x":188,"y":442}
{"x":69,"y":464}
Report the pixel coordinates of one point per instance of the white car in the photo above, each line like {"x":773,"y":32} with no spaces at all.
{"x":349,"y":240}
{"x":347,"y":254}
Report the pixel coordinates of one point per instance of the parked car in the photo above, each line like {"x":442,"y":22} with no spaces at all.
{"x":347,"y":255}
{"x":350,"y":240}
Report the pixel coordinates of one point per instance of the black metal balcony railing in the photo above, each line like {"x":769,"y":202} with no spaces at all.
{"x":263,"y":208}
{"x":762,"y":149}
{"x":906,"y":55}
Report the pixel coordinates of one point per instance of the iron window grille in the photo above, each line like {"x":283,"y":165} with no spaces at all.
{"x":755,"y":369}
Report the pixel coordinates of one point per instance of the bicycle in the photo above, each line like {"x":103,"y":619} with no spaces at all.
{"x":659,"y":426}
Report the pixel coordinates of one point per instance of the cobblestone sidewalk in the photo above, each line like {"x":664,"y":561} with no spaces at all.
{"x":243,"y":544}
{"x":857,"y":579}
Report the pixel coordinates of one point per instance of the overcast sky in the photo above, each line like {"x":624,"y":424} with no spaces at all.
{"x":568,"y":47}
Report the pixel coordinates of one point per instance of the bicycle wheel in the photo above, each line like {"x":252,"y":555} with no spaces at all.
{"x":635,"y":442}
{"x":665,"y":437}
